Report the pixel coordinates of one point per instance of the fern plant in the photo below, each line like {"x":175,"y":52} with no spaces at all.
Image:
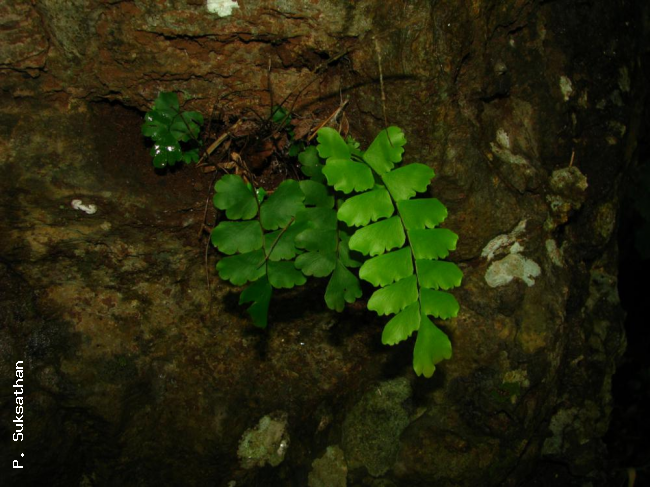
{"x":174,"y":132}
{"x":259,"y":239}
{"x":353,"y":201}
{"x":400,"y":235}
{"x":325,"y":241}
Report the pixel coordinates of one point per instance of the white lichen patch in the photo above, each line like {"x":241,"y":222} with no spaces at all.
{"x":568,"y":180}
{"x":79,"y":205}
{"x":267,"y":443}
{"x":516,"y":248}
{"x":505,"y":243}
{"x":505,"y":155}
{"x":510,"y":267}
{"x":503,"y":139}
{"x":566,"y":87}
{"x":223,"y":8}
{"x":554,"y":253}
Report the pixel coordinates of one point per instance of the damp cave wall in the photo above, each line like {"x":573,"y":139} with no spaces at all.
{"x":526,"y":110}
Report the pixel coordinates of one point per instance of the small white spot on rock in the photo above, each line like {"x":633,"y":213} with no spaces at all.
{"x":499,"y":243}
{"x":503,"y":139}
{"x":554,"y":253}
{"x":505,"y":155}
{"x":78,"y":205}
{"x":223,"y":8}
{"x":566,"y":87}
{"x":505,"y":270}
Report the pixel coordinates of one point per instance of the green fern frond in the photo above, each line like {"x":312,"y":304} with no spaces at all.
{"x":400,"y":236}
{"x":259,"y":241}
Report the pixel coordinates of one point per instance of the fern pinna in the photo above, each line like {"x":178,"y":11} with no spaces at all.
{"x":307,"y":229}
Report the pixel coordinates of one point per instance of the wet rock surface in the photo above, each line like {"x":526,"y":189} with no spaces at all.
{"x":140,"y":375}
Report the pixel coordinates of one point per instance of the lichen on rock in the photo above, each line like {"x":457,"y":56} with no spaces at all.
{"x":330,"y":470}
{"x":266,"y":443}
{"x":372,"y":428}
{"x":505,"y":270}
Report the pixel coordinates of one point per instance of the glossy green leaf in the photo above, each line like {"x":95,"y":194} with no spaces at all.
{"x":316,"y":194}
{"x":190,"y":156}
{"x":318,"y":217}
{"x":343,"y":287}
{"x":167,"y":103}
{"x":404,"y":182}
{"x":347,"y":176}
{"x":166,"y":152}
{"x":439,"y":304}
{"x":284,"y":275}
{"x":354,"y":147}
{"x":260,"y":193}
{"x":232,"y":195}
{"x":320,"y":232}
{"x":421,"y":213}
{"x":317,"y":264}
{"x":280,"y":114}
{"x":166,"y":125}
{"x":386,"y":150}
{"x":278,"y":210}
{"x":363,"y":208}
{"x":186,"y":126}
{"x":379,"y":237}
{"x":317,"y":240}
{"x":311,"y":165}
{"x":432,"y":244}
{"x":431,"y":347}
{"x":348,"y":258}
{"x":237,"y":237}
{"x":156,"y":126}
{"x":395,"y":297}
{"x":331,"y":145}
{"x":438,"y":274}
{"x":259,"y":293}
{"x":193,"y":117}
{"x":387,"y":268}
{"x":241,"y":268}
{"x":402,"y":325}
{"x":280,"y":244}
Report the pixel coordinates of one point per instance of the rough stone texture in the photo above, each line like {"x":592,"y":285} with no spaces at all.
{"x":372,"y":428}
{"x":137,"y":380}
{"x":267,"y":443}
{"x":330,"y":470}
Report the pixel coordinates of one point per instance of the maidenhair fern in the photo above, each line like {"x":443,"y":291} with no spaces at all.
{"x":259,"y":240}
{"x":352,"y":201}
{"x":326,"y":240}
{"x":174,"y":133}
{"x":403,"y":242}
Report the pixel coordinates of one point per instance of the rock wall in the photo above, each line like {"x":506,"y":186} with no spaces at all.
{"x":140,"y":375}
